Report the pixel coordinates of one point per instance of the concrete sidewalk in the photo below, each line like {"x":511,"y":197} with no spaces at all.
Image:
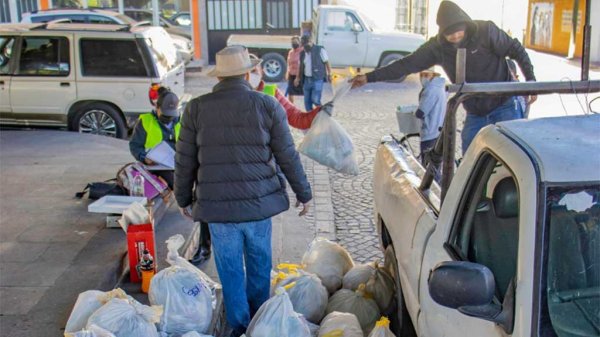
{"x":51,"y":248}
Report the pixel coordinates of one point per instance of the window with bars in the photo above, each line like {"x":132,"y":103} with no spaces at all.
{"x":257,"y":14}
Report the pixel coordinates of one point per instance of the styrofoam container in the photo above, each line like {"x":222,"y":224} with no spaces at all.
{"x":408,"y":123}
{"x":114,"y":204}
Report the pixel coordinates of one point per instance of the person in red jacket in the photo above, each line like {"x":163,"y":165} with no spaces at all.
{"x":296,"y":117}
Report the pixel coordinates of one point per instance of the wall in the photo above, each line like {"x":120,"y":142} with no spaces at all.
{"x":595,"y":22}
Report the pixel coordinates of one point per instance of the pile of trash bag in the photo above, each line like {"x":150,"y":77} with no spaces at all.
{"x":183,"y":301}
{"x":184,"y":295}
{"x":127,"y":317}
{"x":358,"y":303}
{"x":329,"y":261}
{"x":340,"y":324}
{"x":277,"y":318}
{"x":382,"y":329}
{"x":379,"y":283}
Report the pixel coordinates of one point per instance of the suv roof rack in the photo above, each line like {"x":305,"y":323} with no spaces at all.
{"x":128,"y":28}
{"x":44,"y":25}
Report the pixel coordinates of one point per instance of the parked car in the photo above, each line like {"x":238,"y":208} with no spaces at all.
{"x":182,"y":19}
{"x":91,"y":78}
{"x":350,"y":38}
{"x":181,"y":37}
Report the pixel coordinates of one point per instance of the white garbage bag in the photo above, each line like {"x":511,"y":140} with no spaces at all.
{"x":358,"y":303}
{"x":195,"y":334}
{"x":379,"y":283}
{"x":340,"y":324}
{"x":307,"y":294}
{"x":92,"y":331}
{"x":329,"y":261}
{"x":382,"y":329}
{"x":329,"y":144}
{"x":184,"y":295}
{"x":127,"y":318}
{"x":282,"y":272}
{"x":87,"y":303}
{"x":277,"y":318}
{"x":314,"y":328}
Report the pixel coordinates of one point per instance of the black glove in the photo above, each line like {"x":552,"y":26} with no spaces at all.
{"x":328,"y":108}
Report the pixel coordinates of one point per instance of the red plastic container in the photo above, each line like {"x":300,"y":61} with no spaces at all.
{"x":139,"y":237}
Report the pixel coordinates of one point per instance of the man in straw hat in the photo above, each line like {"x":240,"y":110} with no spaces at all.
{"x":235,"y":146}
{"x":487,"y":48}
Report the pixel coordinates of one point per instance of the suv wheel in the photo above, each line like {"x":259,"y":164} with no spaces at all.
{"x":274,"y":67}
{"x":99,"y":119}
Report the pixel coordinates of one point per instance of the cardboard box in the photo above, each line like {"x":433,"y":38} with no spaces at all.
{"x":139,"y":237}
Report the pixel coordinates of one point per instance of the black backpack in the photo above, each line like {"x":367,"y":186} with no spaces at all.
{"x":99,"y":189}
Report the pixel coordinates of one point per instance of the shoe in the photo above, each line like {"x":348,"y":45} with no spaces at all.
{"x":202,"y":255}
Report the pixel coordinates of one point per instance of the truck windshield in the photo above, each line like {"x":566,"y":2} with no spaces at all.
{"x":573,"y":266}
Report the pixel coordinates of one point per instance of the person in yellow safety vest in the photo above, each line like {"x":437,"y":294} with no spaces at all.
{"x":162,"y":124}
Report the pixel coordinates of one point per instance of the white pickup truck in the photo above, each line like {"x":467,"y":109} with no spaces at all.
{"x":350,"y":38}
{"x":514,"y":249}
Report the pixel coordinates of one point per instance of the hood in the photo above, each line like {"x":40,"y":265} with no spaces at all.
{"x":450,"y":14}
{"x":438,"y":82}
{"x":409,"y":40}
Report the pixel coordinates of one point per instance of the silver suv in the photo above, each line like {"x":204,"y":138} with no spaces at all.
{"x":90,"y":78}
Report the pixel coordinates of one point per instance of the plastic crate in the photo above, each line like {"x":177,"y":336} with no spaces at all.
{"x":408,"y":123}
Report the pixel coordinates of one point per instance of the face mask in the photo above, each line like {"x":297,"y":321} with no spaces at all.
{"x":254,"y":80}
{"x":295,"y":45}
{"x":425,"y":81}
{"x":166,"y":119}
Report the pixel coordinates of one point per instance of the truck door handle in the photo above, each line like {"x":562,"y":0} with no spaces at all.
{"x":65,"y":84}
{"x":325,"y":33}
{"x":1,"y":82}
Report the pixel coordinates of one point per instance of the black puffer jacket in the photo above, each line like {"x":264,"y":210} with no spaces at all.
{"x":487,"y":49}
{"x":236,"y":148}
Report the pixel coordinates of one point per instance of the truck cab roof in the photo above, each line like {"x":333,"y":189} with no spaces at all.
{"x":566,"y":149}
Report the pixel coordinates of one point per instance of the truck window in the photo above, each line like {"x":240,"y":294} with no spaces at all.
{"x":573,"y":265}
{"x":106,"y":57}
{"x":487,"y":226}
{"x":341,"y":21}
{"x":44,"y":56}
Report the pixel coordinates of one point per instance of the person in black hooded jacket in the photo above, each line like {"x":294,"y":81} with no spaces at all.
{"x":487,"y":48}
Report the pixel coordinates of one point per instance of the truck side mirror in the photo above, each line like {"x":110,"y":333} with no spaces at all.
{"x":357,"y":28}
{"x":469,"y":288}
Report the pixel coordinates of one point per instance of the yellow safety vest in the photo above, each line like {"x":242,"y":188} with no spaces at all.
{"x":153,"y":131}
{"x":269,"y":89}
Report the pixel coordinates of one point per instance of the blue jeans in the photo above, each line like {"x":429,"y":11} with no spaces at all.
{"x":244,"y":291}
{"x":509,"y":110}
{"x":312,"y":92}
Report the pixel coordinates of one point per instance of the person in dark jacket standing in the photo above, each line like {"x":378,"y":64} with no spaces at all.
{"x":235,"y":147}
{"x":314,"y":71}
{"x":487,"y":48}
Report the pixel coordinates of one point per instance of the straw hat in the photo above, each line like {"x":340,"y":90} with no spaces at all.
{"x":233,"y":61}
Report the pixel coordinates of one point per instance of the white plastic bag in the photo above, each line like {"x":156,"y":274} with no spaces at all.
{"x":382,"y":329}
{"x":135,"y":214}
{"x":92,"y":331}
{"x":308,"y":295}
{"x":329,"y":144}
{"x":127,"y":318}
{"x":340,"y":324}
{"x":277,"y":318}
{"x":358,"y":303}
{"x":194,"y":334}
{"x":379,"y":283}
{"x":87,"y":303}
{"x":329,"y":261}
{"x":314,"y":328}
{"x":184,"y":295}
